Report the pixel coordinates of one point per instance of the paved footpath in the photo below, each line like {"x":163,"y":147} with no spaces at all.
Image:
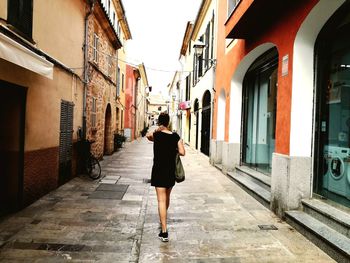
{"x":115,"y":220}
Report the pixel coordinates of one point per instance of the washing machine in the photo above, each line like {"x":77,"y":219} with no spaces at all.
{"x":337,"y":170}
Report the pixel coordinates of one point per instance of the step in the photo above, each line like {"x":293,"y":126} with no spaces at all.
{"x":265,"y":179}
{"x":329,"y":215}
{"x":218,"y":166}
{"x":329,"y":240}
{"x":252,"y":187}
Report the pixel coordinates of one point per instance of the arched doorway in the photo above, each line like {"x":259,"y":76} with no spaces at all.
{"x":108,"y":134}
{"x":196,"y":115}
{"x":259,"y":112}
{"x":206,"y":116}
{"x":332,"y":130}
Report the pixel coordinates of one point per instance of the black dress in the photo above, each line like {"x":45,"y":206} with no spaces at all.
{"x":164,"y":150}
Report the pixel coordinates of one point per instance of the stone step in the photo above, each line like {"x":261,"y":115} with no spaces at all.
{"x":329,"y":215}
{"x":265,"y":179}
{"x":252,"y":187}
{"x":329,"y":240}
{"x":218,"y":166}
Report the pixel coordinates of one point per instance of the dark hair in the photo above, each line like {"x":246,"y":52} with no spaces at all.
{"x":163,"y":119}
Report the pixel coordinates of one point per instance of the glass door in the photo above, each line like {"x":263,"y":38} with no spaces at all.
{"x":332,"y":153}
{"x":259,"y":112}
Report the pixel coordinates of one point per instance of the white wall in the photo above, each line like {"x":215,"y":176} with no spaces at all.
{"x":303,"y":75}
{"x":236,"y":91}
{"x":220,"y":132}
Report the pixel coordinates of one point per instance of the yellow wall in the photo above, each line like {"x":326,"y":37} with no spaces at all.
{"x":3,"y":9}
{"x":59,"y":33}
{"x":43,"y":103}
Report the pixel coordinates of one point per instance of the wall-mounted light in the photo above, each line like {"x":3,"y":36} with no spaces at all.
{"x":199,"y":49}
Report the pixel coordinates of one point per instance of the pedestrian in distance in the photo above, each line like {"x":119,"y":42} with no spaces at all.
{"x":166,"y":145}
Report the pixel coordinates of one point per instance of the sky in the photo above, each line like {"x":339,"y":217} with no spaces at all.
{"x":157,"y":28}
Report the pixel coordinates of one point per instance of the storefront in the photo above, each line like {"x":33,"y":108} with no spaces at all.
{"x":332,"y":130}
{"x":259,"y":112}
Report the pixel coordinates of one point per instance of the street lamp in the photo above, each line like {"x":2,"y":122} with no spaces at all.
{"x":199,"y":49}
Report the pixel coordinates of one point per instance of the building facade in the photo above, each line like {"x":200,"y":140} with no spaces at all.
{"x":281,"y":104}
{"x":124,"y":34}
{"x":102,"y":75}
{"x":41,"y":91}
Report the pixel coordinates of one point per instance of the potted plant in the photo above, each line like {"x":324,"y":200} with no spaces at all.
{"x":119,"y":140}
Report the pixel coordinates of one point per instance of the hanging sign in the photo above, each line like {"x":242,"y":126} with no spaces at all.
{"x":185,"y":105}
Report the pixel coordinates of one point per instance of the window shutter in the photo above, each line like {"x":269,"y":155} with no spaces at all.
{"x":20,"y":15}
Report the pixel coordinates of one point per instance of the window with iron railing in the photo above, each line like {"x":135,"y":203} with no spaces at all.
{"x":231,"y":6}
{"x":20,"y":15}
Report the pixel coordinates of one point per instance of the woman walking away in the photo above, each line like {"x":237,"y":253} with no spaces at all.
{"x":166,"y":146}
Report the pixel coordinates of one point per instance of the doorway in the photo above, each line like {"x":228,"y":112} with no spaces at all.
{"x":108,"y":140}
{"x":196,"y":115}
{"x":66,"y":142}
{"x":12,"y":117}
{"x":206,"y":113}
{"x":259,"y":112}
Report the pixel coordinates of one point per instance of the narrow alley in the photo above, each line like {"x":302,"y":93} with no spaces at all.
{"x":115,"y":219}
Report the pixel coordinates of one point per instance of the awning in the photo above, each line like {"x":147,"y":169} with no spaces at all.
{"x":13,"y":52}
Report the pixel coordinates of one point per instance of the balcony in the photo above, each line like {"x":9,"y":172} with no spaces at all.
{"x":252,"y":17}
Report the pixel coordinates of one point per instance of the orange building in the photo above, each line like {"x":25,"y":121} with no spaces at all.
{"x":282,"y":111}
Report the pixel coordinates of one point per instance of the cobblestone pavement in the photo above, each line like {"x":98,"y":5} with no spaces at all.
{"x":115,"y":220}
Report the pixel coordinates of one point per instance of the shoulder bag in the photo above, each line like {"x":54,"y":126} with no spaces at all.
{"x":179,"y":170}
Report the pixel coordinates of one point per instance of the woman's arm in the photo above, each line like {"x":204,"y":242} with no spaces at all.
{"x":181,"y":148}
{"x":150,"y":136}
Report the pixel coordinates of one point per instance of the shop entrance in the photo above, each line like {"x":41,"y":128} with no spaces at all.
{"x":259,"y":112}
{"x":332,"y":147}
{"x":12,"y":119}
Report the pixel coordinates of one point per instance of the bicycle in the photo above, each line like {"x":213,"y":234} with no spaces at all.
{"x":91,"y":164}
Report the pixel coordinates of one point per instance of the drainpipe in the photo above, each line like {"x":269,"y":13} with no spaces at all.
{"x":86,"y":76}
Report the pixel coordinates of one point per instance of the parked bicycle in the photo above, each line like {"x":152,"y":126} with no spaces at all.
{"x":91,"y":164}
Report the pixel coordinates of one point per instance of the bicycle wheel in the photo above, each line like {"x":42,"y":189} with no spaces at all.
{"x":94,"y":168}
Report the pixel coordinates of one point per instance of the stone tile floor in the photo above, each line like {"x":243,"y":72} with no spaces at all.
{"x":210,"y":220}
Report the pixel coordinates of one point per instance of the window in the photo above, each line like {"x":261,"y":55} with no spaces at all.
{"x":122,"y":82}
{"x":109,"y":8}
{"x":93,"y":112}
{"x":207,"y":45}
{"x":113,"y":19}
{"x":118,"y":82}
{"x":20,"y":15}
{"x":188,"y":87}
{"x":110,"y":64}
{"x":95,"y":48}
{"x":121,"y":119}
{"x":231,"y":6}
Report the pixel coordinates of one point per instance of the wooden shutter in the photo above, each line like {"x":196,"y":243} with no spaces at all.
{"x":20,"y":15}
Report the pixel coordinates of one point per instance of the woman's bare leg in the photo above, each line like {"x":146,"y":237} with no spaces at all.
{"x":162,"y":206}
{"x":168,"y":192}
